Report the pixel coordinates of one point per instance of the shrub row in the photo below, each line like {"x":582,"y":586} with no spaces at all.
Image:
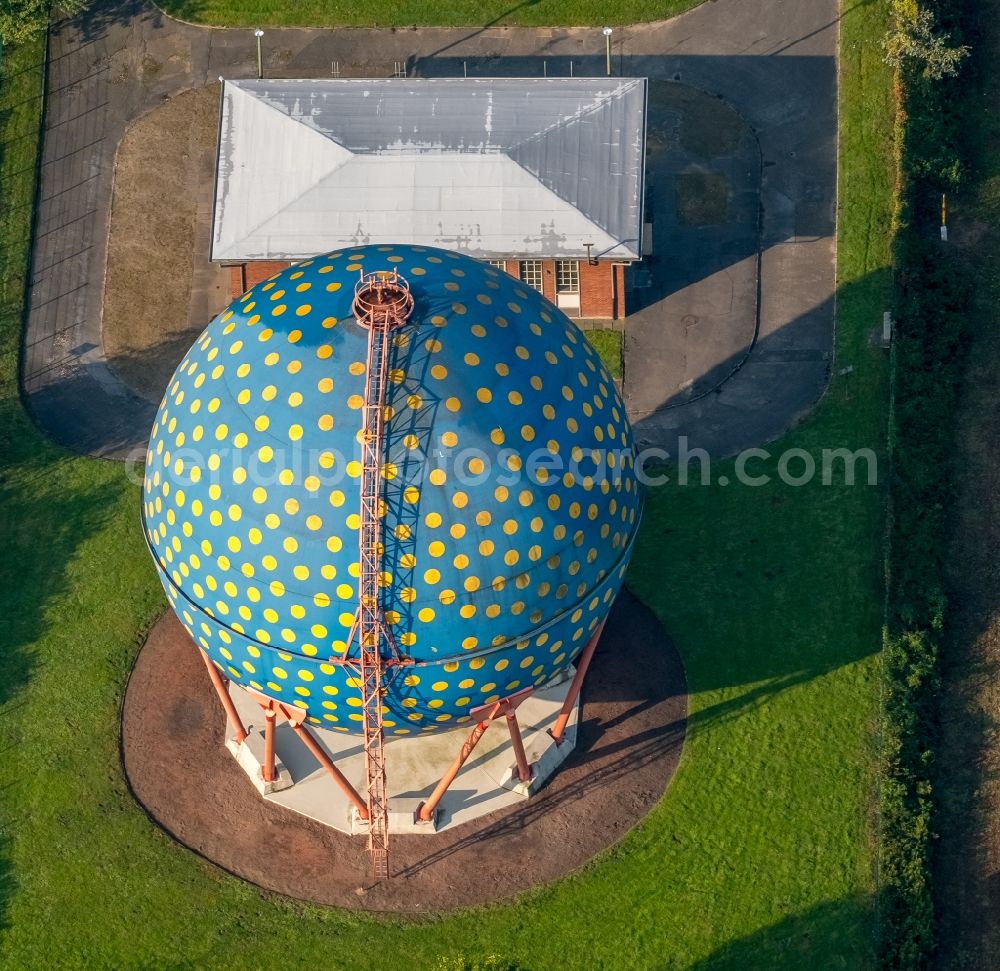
{"x":928,"y":345}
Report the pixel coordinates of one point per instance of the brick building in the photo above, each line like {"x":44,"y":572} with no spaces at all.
{"x":542,"y":177}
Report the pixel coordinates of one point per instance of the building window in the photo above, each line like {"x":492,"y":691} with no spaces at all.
{"x":567,"y":276}
{"x":531,"y":273}
{"x":499,"y":264}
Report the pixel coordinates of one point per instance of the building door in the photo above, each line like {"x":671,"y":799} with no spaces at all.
{"x":568,"y":286}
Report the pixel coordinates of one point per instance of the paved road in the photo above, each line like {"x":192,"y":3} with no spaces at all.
{"x":772,"y":60}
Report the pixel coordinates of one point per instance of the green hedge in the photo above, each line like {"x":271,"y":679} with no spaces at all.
{"x":931,"y":300}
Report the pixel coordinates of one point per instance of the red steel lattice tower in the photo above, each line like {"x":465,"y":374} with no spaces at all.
{"x":382,"y":304}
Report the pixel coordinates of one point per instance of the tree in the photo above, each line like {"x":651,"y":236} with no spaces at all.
{"x":21,"y":20}
{"x":914,"y":42}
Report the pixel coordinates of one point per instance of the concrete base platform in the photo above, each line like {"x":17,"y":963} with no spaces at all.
{"x":629,"y":737}
{"x":488,"y":780}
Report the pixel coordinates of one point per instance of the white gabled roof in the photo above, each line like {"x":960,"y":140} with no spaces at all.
{"x":532,"y":168}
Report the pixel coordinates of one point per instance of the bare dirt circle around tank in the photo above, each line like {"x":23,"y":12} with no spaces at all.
{"x":631,"y":733}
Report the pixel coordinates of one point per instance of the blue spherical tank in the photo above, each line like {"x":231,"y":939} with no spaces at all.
{"x":510,"y":500}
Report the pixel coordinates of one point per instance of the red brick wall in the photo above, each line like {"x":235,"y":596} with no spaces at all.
{"x":237,"y":286}
{"x":549,"y":280}
{"x":602,"y":287}
{"x":245,"y":275}
{"x":597,"y":297}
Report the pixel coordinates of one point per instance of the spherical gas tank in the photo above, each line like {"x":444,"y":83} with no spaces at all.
{"x":509,"y":499}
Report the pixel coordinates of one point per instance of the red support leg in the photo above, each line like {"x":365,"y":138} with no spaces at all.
{"x":324,"y":760}
{"x":426,"y":811}
{"x":221,"y":689}
{"x":583,"y":662}
{"x":523,"y":768}
{"x":267,"y":770}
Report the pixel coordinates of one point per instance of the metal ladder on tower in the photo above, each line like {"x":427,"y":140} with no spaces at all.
{"x":382,"y":303}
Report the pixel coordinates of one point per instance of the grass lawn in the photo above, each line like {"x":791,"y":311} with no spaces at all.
{"x":608,"y":344}
{"x":437,"y":13}
{"x":759,"y":855}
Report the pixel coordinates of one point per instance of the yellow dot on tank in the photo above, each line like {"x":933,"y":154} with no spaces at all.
{"x":259,"y":494}
{"x":438,"y":477}
{"x":295,"y":432}
{"x":439,"y":372}
{"x":453,"y":404}
{"x":414,"y":401}
{"x":436,"y":548}
{"x":354,"y":469}
{"x":325,"y":422}
{"x":311,"y":483}
{"x":353,"y":521}
{"x":426,"y":615}
{"x":346,"y":620}
{"x":279,"y":672}
{"x":476,"y":663}
{"x":411,"y":494}
{"x":345,"y":591}
{"x":447,"y":597}
{"x":408,"y":639}
{"x":457,"y":530}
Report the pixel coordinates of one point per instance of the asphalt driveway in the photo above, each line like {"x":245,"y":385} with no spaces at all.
{"x":773,"y":62}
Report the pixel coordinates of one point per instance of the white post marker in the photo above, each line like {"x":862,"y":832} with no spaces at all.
{"x":258,"y":33}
